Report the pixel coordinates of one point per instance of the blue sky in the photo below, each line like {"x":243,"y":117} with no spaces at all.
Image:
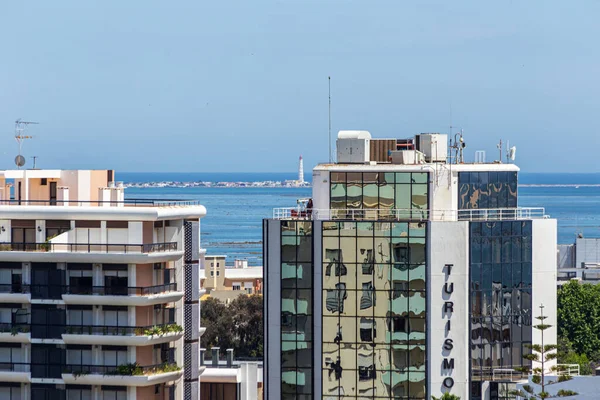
{"x":242,"y":85}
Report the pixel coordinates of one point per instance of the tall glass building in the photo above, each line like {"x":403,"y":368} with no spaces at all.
{"x":408,"y":277}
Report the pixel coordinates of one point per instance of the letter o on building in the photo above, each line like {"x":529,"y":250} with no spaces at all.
{"x":448,"y":382}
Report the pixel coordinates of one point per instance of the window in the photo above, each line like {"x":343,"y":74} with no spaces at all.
{"x":114,"y":393}
{"x":501,"y":303}
{"x":10,"y":391}
{"x":77,"y":392}
{"x":212,"y":273}
{"x":296,"y":309}
{"x":374,"y":279}
{"x":404,"y":192}
{"x":236,"y":286}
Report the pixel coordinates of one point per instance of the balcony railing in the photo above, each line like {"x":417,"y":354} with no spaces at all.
{"x":99,"y":203}
{"x":496,"y":214}
{"x":103,"y":330}
{"x":124,"y":370}
{"x":7,"y":327}
{"x":42,"y":291}
{"x":16,"y":288}
{"x":90,"y":247}
{"x":9,"y":366}
{"x":108,"y":330}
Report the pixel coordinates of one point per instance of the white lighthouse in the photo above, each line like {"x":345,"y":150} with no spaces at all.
{"x":300,"y":171}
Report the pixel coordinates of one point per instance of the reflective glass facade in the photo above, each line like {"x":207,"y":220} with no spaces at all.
{"x":374,"y":305}
{"x":296,"y":310}
{"x":489,"y":189}
{"x":500,"y":298}
{"x":379,"y":190}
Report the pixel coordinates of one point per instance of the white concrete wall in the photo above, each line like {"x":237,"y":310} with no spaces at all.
{"x":448,"y":243}
{"x":544,"y":252}
{"x":320,"y":192}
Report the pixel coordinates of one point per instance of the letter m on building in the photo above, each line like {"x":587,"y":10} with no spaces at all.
{"x":448,"y":364}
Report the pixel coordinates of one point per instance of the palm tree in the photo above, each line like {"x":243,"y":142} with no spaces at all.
{"x":446,"y":396}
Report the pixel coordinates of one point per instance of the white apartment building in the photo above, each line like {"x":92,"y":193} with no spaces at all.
{"x":99,"y":295}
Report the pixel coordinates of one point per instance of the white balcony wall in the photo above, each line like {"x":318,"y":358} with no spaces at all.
{"x":172,"y":234}
{"x":87,"y":235}
{"x":118,"y":236}
{"x":135,"y":233}
{"x":5,"y":236}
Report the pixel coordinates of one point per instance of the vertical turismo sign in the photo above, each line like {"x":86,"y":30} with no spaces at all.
{"x":447,"y":311}
{"x":448,"y":308}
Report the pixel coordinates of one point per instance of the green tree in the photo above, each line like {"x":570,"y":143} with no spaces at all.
{"x":446,"y":396}
{"x":237,"y":326}
{"x":566,"y":355}
{"x":579,"y":317}
{"x":247,"y":314}
{"x":217,"y":320}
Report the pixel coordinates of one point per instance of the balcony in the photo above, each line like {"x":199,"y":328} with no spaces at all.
{"x":497,"y":214}
{"x":15,"y":372}
{"x":121,"y":335}
{"x":121,"y":375}
{"x":90,"y":252}
{"x":14,"y":293}
{"x":109,"y":295}
{"x":14,"y":333}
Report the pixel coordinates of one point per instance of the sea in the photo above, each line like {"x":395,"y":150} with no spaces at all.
{"x":233,"y":223}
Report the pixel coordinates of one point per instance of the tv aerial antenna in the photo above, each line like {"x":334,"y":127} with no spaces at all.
{"x":20,"y":136}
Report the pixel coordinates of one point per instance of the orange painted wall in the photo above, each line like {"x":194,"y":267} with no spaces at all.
{"x":143,"y":316}
{"x":144,"y":355}
{"x":147,"y":393}
{"x":143,"y":275}
{"x":147,"y":232}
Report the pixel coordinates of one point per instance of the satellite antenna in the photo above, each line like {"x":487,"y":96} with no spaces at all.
{"x":20,"y":126}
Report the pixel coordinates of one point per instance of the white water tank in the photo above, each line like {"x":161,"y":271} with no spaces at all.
{"x":434,"y":146}
{"x":353,"y":147}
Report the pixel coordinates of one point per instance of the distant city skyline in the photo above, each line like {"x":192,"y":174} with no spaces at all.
{"x":237,"y":86}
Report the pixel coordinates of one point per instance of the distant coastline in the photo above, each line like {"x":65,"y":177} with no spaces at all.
{"x":258,"y":184}
{"x":296,"y":184}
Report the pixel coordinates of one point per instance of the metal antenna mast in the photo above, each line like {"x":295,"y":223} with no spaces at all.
{"x":329,"y":81}
{"x":20,"y":126}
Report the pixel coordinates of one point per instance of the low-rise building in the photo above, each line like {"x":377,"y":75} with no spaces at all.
{"x":228,"y":282}
{"x":579,"y":261}
{"x":230,"y":378}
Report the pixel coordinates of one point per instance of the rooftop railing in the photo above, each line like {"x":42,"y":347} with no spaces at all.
{"x":488,"y":214}
{"x":100,"y":203}
{"x":90,"y":247}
